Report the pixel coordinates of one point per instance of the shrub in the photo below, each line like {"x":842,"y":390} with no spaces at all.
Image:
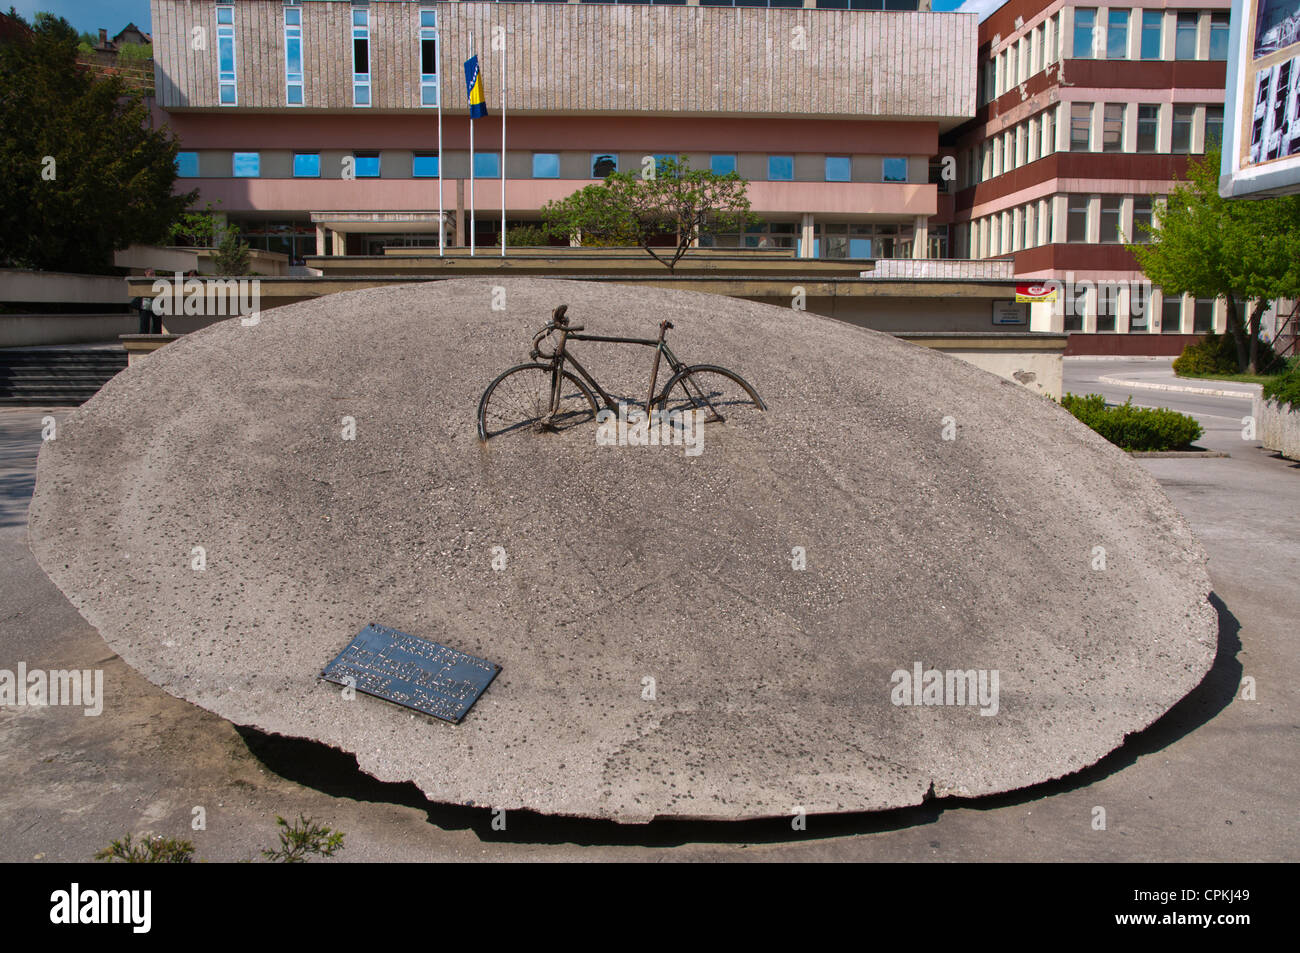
{"x":152,"y":850}
{"x":1134,"y":428}
{"x":1215,"y":354}
{"x":232,"y":256}
{"x":1285,"y":388}
{"x":522,"y":236}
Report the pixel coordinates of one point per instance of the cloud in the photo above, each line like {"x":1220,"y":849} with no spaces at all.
{"x":982,"y":7}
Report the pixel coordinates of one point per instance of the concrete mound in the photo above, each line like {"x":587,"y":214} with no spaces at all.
{"x":661,"y":652}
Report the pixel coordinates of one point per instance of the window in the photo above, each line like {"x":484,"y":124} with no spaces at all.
{"x":934,"y":175}
{"x":1171,"y":315}
{"x":1139,"y":303}
{"x":1077,"y":219}
{"x":895,"y":170}
{"x":1213,"y":126}
{"x":1112,"y":133}
{"x":1077,"y":307}
{"x":997,"y":156}
{"x":837,"y":168}
{"x":1013,"y":66}
{"x":603,"y":164}
{"x":1148,"y":127}
{"x":1218,"y":36}
{"x":487,"y":165}
{"x":425,"y":165}
{"x":780,"y":168}
{"x":246,"y":165}
{"x":1153,"y":22}
{"x":1110,"y":209}
{"x":1141,"y":220}
{"x":1185,"y":37}
{"x":1181,"y":141}
{"x":1049,"y":219}
{"x":293,"y":56}
{"x":360,"y":57}
{"x":306,"y":165}
{"x":429,"y":57}
{"x":1202,"y":315}
{"x":1085,"y":24}
{"x":1049,"y":131}
{"x":187,"y":165}
{"x":365,"y":165}
{"x":1117,"y":34}
{"x":722,"y":165}
{"x":1080,"y":127}
{"x":227,"y":94}
{"x":546,"y":165}
{"x":1034,"y":137}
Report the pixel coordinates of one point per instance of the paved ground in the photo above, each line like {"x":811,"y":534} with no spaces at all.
{"x":1213,"y":780}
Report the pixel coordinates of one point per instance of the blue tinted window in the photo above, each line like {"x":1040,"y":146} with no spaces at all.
{"x":546,"y":165}
{"x":367,"y":166}
{"x":425,"y":167}
{"x":1152,"y":25}
{"x":780,"y":168}
{"x":225,"y":14}
{"x":603,"y":164}
{"x":226,"y":54}
{"x":246,"y":165}
{"x":859,"y":247}
{"x":837,"y":168}
{"x":721,"y":165}
{"x":306,"y":164}
{"x":487,"y":165}
{"x":187,"y":164}
{"x":895,"y":170}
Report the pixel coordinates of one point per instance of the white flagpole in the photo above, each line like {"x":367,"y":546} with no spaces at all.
{"x":503,"y":144}
{"x":472,"y":163}
{"x":438,"y":66}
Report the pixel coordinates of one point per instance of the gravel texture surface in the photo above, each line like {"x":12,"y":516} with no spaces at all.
{"x":773,"y":686}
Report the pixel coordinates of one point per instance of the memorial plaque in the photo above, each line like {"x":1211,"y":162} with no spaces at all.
{"x":411,"y":671}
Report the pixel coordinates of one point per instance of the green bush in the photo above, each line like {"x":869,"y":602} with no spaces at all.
{"x":521,"y":236}
{"x":1285,"y":388}
{"x":1215,"y":354}
{"x":1134,"y":428}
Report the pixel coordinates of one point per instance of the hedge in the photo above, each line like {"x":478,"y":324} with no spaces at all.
{"x":1134,"y":428}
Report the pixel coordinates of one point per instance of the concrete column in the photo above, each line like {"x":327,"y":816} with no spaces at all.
{"x":1167,"y":35}
{"x":1198,"y":124}
{"x":1060,"y":215}
{"x":320,"y":241}
{"x":340,"y":245}
{"x":1066,"y":41}
{"x":1122,"y":310}
{"x":807,"y":235}
{"x":921,"y":237}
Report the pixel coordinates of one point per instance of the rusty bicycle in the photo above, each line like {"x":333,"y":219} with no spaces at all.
{"x":545,"y":395}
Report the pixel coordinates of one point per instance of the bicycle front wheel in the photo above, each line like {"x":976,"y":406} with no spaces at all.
{"x":715,"y":390}
{"x":519,"y":402}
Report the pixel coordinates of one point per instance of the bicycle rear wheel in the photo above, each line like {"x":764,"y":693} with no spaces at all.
{"x":713,"y":389}
{"x":519,"y":402}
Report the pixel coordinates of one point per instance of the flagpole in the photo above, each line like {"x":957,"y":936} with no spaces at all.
{"x":438,"y":66}
{"x":471,"y":163}
{"x":503,"y":144}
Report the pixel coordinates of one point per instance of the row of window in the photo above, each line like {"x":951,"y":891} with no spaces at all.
{"x":546,"y":165}
{"x":1118,"y":219}
{"x":1117,"y":36}
{"x":1095,"y":127}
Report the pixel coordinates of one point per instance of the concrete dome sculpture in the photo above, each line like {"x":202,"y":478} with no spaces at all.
{"x":742,"y":632}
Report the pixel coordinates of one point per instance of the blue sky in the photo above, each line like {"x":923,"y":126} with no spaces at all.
{"x":87,"y":16}
{"x":90,"y":15}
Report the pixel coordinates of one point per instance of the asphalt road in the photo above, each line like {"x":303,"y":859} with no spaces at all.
{"x":1215,"y":779}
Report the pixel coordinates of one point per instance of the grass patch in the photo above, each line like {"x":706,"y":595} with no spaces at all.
{"x":1240,"y":378}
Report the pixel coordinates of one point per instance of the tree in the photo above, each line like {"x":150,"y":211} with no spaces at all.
{"x":196,"y":227}
{"x":1238,"y":249}
{"x":84,"y":173}
{"x":668,"y":198}
{"x":232,"y":256}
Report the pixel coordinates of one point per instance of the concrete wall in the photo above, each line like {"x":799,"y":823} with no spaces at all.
{"x":1278,"y":427}
{"x":590,"y":57}
{"x":30,"y":330}
{"x":60,"y":288}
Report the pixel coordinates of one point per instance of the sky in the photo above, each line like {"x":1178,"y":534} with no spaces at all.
{"x":89,"y":15}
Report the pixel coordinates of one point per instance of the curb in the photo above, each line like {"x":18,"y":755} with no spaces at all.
{"x":1206,"y":391}
{"x":1159,"y":454}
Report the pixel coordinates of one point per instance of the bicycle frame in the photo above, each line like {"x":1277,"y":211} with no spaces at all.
{"x":562,"y":357}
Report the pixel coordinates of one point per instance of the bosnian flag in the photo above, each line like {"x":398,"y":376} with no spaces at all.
{"x":473,"y":83}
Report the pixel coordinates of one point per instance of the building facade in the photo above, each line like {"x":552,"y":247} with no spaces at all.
{"x":1086,"y":116}
{"x":314,"y":125}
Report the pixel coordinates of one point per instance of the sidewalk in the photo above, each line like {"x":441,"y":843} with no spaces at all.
{"x":1160,"y":376}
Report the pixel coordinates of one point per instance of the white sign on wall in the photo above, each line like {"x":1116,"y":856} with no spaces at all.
{"x":1010,"y":312}
{"x":1261,"y":128}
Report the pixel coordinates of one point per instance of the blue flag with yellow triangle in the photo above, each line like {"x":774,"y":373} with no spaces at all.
{"x":474,"y":84}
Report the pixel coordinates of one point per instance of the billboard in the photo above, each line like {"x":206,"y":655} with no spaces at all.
{"x":1261,"y":130}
